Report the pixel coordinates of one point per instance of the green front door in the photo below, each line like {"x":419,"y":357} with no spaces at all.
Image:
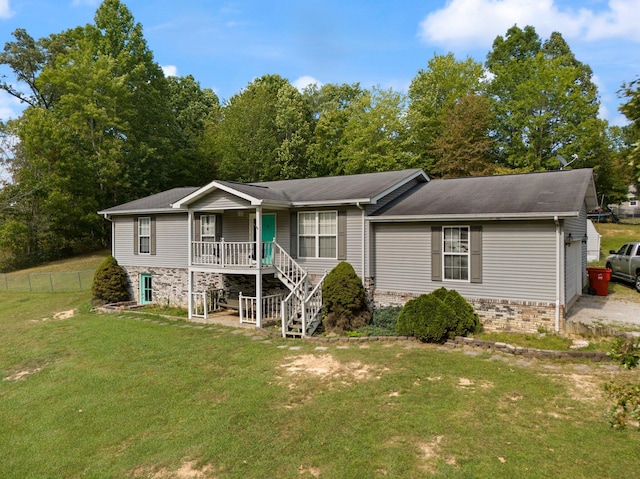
{"x":268,"y":235}
{"x":146,"y":291}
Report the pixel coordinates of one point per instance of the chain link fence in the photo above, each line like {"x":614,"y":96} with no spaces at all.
{"x":59,"y":282}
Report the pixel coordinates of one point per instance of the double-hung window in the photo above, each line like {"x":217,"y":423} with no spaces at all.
{"x":208,"y":228}
{"x":317,"y":234}
{"x":144,"y":235}
{"x":456,"y":253}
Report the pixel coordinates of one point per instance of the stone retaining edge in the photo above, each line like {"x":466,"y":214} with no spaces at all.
{"x":461,"y":341}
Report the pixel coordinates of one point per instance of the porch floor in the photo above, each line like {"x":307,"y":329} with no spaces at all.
{"x":224,"y":318}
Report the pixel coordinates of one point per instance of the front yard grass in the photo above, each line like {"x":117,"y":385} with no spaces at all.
{"x":128,"y":396}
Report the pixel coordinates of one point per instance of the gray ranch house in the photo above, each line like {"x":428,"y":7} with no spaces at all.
{"x":514,"y":246}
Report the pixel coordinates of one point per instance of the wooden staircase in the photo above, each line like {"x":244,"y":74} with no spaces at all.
{"x":301,"y":310}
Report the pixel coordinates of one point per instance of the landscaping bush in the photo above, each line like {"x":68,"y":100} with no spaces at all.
{"x":110,"y":283}
{"x":386,"y":318}
{"x":625,"y":396}
{"x":467,"y":320}
{"x":437,"y":316}
{"x":344,"y":300}
{"x":383,"y":322}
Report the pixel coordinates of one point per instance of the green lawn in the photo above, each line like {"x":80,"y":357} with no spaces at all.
{"x":124,"y":396}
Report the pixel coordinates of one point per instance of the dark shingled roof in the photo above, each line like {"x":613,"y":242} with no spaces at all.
{"x":154,"y":203}
{"x":559,"y":193}
{"x":347,"y":189}
{"x":328,"y":188}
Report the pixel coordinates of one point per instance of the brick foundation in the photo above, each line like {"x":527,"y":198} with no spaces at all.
{"x":495,"y":314}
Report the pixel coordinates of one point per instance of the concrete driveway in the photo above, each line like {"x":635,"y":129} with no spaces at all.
{"x":607,"y":311}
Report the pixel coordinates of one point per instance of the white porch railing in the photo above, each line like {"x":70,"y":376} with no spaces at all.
{"x":205,"y":302}
{"x":229,"y":254}
{"x":248,"y":307}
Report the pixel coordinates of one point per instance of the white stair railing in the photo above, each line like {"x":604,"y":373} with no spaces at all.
{"x":302,"y":313}
{"x":293,"y":274}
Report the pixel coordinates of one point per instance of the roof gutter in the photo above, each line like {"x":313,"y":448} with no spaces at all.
{"x":475,"y":217}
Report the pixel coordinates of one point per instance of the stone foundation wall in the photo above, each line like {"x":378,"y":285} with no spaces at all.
{"x":495,"y":314}
{"x":170,"y":285}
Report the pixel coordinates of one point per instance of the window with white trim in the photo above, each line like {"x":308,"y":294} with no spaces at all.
{"x":208,"y":228}
{"x":455,"y":253}
{"x":144,"y":235}
{"x":317,"y":234}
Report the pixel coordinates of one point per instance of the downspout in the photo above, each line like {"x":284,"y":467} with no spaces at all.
{"x":559,"y":242}
{"x":362,"y":241}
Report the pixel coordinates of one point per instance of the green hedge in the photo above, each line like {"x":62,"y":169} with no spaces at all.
{"x":437,"y":316}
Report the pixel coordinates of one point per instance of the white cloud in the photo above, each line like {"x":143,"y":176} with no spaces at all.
{"x":304,"y":81}
{"x":170,"y":70}
{"x":478,"y":22}
{"x":5,"y":9}
{"x":620,"y":21}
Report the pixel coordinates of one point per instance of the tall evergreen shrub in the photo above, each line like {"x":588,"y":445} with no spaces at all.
{"x":344,"y":300}
{"x":110,"y":283}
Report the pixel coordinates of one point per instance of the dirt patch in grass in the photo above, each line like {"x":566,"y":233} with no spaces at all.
{"x":584,"y":387}
{"x":466,"y":383}
{"x":187,"y":470}
{"x":328,"y":368}
{"x":430,"y":452}
{"x":57,"y":316}
{"x":309,"y":471}
{"x":17,"y":376}
{"x":306,"y":369}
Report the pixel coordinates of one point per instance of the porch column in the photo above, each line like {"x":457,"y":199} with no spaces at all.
{"x":190,"y":260}
{"x":190,"y":282}
{"x":258,"y":266}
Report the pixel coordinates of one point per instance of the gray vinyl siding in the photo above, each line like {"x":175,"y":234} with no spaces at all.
{"x":219,"y":200}
{"x":354,"y":247}
{"x":171,"y":242}
{"x":518,"y":261}
{"x":578,"y":229}
{"x":237,"y":228}
{"x":234,"y":227}
{"x":401,"y":257}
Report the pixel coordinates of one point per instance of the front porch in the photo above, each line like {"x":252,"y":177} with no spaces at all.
{"x":297,"y":308}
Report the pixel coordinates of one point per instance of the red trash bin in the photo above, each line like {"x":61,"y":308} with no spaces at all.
{"x":599,"y":280}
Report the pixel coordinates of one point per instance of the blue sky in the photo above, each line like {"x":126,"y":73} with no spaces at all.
{"x":226,"y":44}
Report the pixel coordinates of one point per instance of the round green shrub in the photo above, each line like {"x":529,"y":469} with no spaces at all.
{"x":110,"y":283}
{"x":344,"y":300}
{"x":437,"y":316}
{"x":466,"y":319}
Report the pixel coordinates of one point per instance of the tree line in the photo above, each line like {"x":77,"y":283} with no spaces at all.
{"x":103,"y":125}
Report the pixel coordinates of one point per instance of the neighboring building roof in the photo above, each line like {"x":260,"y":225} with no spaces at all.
{"x":364,"y":188}
{"x":549,"y":194}
{"x":158,"y":203}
